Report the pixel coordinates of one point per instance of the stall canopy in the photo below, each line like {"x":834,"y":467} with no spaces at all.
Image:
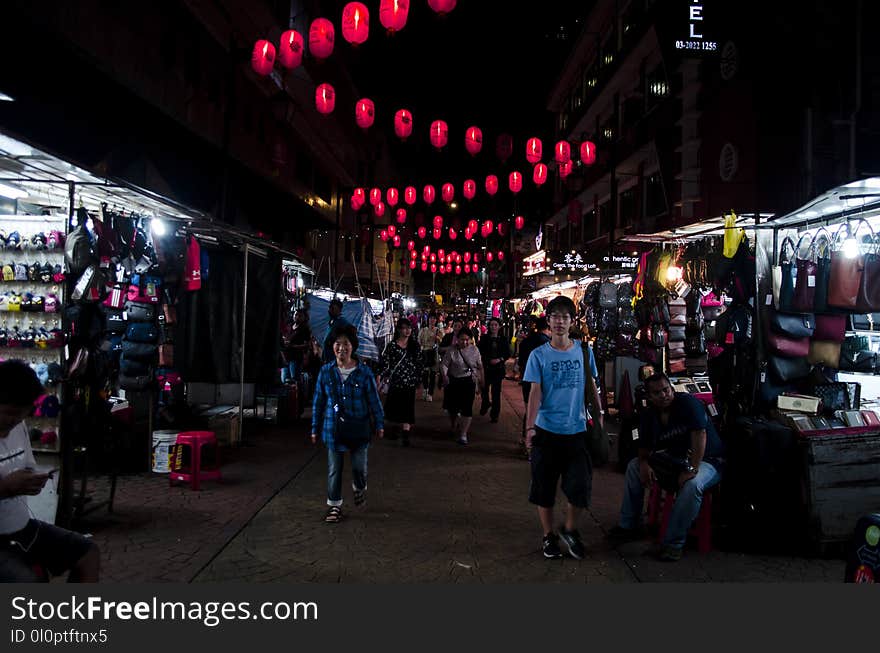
{"x":697,"y":230}
{"x":858,"y":199}
{"x":356,"y":311}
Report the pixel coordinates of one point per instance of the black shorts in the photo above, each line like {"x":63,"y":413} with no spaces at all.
{"x":554,"y":456}
{"x":55,"y":549}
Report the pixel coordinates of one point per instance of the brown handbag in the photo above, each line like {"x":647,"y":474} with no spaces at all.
{"x":824,"y":353}
{"x":846,"y":273}
{"x":787,"y":346}
{"x":868,"y":300}
{"x":677,"y":365}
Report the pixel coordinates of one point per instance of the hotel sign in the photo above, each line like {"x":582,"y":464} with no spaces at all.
{"x":695,"y":39}
{"x":534,"y":264}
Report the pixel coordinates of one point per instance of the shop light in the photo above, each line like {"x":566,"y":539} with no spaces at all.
{"x":11,"y":192}
{"x":157,"y":227}
{"x":673,"y":273}
{"x":850,"y":248}
{"x":6,"y":98}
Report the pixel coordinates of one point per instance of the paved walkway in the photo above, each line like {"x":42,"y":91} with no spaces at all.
{"x":440,"y":512}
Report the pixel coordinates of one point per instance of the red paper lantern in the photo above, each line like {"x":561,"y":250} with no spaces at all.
{"x":452,"y":234}
{"x":519,"y":222}
{"x":396,"y":240}
{"x":566,"y":168}
{"x":491,"y":184}
{"x":263,"y":57}
{"x":393,"y":14}
{"x":476,"y":257}
{"x":539,"y":174}
{"x":433,"y":268}
{"x":364,"y":113}
{"x":321,"y":38}
{"x":325,"y":98}
{"x":392,"y":196}
{"x":359,"y":196}
{"x":514,"y":182}
{"x":467,"y":268}
{"x":475,"y":268}
{"x":457,"y":269}
{"x":411,"y":246}
{"x":504,"y":146}
{"x":441,"y":253}
{"x":473,"y":225}
{"x":489,"y":257}
{"x":392,"y":230}
{"x":448,"y":268}
{"x":400,"y":216}
{"x":588,"y":153}
{"x":534,"y":150}
{"x":290,"y":49}
{"x":467,"y":257}
{"x":383,"y":235}
{"x":447,"y":192}
{"x":442,"y":6}
{"x":438,"y":233}
{"x":403,"y":124}
{"x":563,"y":152}
{"x":439,"y":134}
{"x":355,"y":23}
{"x":500,"y":256}
{"x":413,"y":264}
{"x":470,"y":189}
{"x":375,"y":196}
{"x":414,"y":255}
{"x":487,"y":228}
{"x":429,"y":194}
{"x":433,"y":258}
{"x":473,"y":140}
{"x":409,"y":195}
{"x":502,"y":229}
{"x":426,"y":249}
{"x":422,"y":232}
{"x":438,"y":222}
{"x":424,"y":267}
{"x":379,"y":209}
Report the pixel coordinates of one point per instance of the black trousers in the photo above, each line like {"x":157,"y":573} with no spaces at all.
{"x":492,"y":390}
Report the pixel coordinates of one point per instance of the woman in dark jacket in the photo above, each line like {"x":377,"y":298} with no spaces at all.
{"x":401,"y":368}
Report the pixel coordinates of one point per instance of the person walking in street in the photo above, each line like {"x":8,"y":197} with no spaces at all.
{"x":400,"y":369}
{"x":336,"y":320}
{"x":461,"y":373}
{"x":562,"y":373}
{"x":27,"y":544}
{"x":677,"y":423}
{"x":494,"y":350}
{"x":535,"y":339}
{"x":429,"y":343}
{"x":345,"y":412}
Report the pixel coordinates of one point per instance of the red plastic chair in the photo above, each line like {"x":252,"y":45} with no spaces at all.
{"x":195,"y":442}
{"x":702,"y":526}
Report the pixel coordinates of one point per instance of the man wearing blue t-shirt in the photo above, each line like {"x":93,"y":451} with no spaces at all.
{"x":677,"y":423}
{"x":561,"y":373}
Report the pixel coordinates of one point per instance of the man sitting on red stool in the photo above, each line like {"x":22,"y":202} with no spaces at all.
{"x":677,"y":423}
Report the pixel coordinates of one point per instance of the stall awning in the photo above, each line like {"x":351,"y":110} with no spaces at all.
{"x":856,"y":199}
{"x":710,"y":227}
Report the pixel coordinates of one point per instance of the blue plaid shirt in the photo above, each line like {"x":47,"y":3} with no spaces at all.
{"x":359,"y":396}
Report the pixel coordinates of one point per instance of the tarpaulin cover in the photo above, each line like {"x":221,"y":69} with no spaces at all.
{"x":354,"y":311}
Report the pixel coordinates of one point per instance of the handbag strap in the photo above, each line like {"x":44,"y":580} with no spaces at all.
{"x":811,"y":250}
{"x":787,"y":240}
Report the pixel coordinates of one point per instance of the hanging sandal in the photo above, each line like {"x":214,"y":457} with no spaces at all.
{"x":334,"y":515}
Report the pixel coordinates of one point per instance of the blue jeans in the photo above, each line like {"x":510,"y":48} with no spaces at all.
{"x":288,"y":372}
{"x":684,"y":511}
{"x":335,"y":463}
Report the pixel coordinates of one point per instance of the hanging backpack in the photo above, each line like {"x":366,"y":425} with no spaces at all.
{"x":608,"y":295}
{"x":78,"y":252}
{"x":192,"y":279}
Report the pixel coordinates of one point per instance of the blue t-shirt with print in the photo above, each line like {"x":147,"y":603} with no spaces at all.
{"x":562,"y":379}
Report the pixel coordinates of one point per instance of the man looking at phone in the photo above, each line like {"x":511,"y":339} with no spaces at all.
{"x":31,"y":549}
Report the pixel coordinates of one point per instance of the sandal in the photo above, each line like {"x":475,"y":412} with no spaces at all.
{"x":334,"y":515}
{"x":360,"y":497}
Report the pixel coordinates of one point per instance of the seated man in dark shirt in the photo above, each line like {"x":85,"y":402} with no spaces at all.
{"x":677,"y":423}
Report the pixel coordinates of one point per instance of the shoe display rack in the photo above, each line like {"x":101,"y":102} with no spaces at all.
{"x":31,"y":304}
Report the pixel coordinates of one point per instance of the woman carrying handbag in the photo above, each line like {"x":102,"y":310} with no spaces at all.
{"x":346,"y":411}
{"x":400,"y":375}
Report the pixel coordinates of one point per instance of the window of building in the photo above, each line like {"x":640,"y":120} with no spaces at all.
{"x":655,"y":196}
{"x":657,"y":86}
{"x":605,"y":219}
{"x":590,"y":231}
{"x":628,"y":207}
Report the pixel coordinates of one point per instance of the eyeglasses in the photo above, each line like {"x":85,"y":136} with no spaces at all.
{"x":559,"y":317}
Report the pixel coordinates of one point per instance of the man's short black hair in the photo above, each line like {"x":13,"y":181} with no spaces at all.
{"x":561,"y":304}
{"x":335,"y":302}
{"x":465,"y":332}
{"x":494,"y":319}
{"x":346,"y":331}
{"x":19,"y":385}
{"x":656,"y":378}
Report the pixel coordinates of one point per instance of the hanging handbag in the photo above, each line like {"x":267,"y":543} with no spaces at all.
{"x":783,"y":276}
{"x":677,"y":333}
{"x":658,"y":336}
{"x":789,"y":369}
{"x":788,"y":346}
{"x":677,"y":312}
{"x":837,"y":396}
{"x":846,"y":272}
{"x":608,"y":295}
{"x":116,"y":294}
{"x":166,"y":355}
{"x":830,"y":328}
{"x":139,"y":312}
{"x":142,"y":332}
{"x":695,"y":345}
{"x":794,"y":326}
{"x":676,"y":349}
{"x":677,"y":366}
{"x":824,"y":353}
{"x":865,"y":322}
{"x":697,"y":364}
{"x":868,"y":300}
{"x":805,"y":283}
{"x":822,"y":247}
{"x":856,"y":355}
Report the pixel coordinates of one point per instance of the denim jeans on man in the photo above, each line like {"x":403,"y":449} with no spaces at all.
{"x":335,"y":460}
{"x":684,"y":512}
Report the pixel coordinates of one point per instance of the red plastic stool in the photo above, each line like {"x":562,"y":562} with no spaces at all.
{"x":195,"y":441}
{"x":702,"y":526}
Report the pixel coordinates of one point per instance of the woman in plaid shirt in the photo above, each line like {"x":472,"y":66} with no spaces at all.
{"x":345,"y":411}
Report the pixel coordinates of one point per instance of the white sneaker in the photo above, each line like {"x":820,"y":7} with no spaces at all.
{"x":462,"y":439}
{"x":429,"y":398}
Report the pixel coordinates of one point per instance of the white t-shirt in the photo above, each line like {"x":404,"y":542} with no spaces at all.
{"x":345,"y":373}
{"x":15,"y":454}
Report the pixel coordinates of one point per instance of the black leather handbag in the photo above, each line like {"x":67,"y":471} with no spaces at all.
{"x":667,"y":468}
{"x":789,"y":369}
{"x":793,"y":325}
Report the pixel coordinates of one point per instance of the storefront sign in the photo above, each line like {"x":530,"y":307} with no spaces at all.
{"x":696,"y":39}
{"x":570,"y":262}
{"x":539,"y":239}
{"x":619,"y":262}
{"x":535,"y":264}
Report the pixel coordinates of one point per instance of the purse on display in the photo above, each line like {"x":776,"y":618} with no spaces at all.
{"x":824,"y":353}
{"x":166,"y":355}
{"x":142,"y":332}
{"x":660,"y":311}
{"x":789,"y":369}
{"x":781,"y":345}
{"x":846,"y":271}
{"x":783,"y":276}
{"x":697,"y":364}
{"x":871,"y":418}
{"x":794,"y":326}
{"x":677,"y":312}
{"x":139,"y":351}
{"x":144,"y":289}
{"x":830,"y":328}
{"x":838,"y":396}
{"x":695,"y":345}
{"x":658,"y":336}
{"x":135,"y":312}
{"x":134,"y":383}
{"x":677,"y":366}
{"x":608,"y":295}
{"x":868,"y":299}
{"x":114,"y":322}
{"x":676,"y":349}
{"x":856,"y":355}
{"x":677,"y":333}
{"x":805,"y":277}
{"x":822,"y":246}
{"x":865,"y":322}
{"x":116,"y":295}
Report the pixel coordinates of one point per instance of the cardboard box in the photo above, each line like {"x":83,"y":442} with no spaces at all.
{"x":224,"y":422}
{"x":800,"y":403}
